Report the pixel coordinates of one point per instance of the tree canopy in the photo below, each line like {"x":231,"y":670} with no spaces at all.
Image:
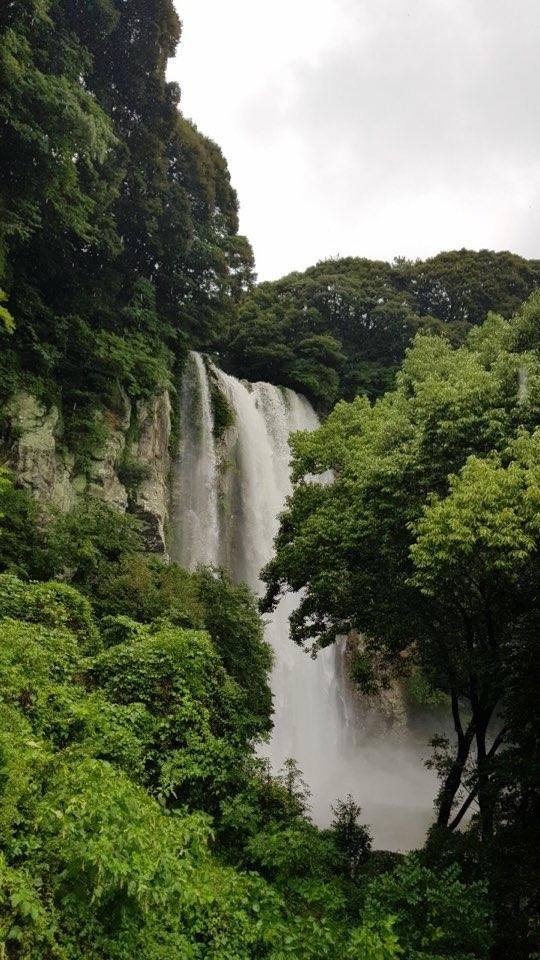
{"x":342,"y":327}
{"x":119,"y":237}
{"x":426,"y":541}
{"x":134,"y":817}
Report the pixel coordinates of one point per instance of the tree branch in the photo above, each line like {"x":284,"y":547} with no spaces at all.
{"x":474,"y":792}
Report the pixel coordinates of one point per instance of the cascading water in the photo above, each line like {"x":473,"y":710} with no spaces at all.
{"x":194,"y":485}
{"x":227,"y":496}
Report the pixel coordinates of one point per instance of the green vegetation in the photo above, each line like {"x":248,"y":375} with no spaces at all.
{"x":131,"y":473}
{"x":134,"y":817}
{"x":342,"y":327}
{"x":427,"y":541}
{"x":118,"y":235}
{"x":222,"y":411}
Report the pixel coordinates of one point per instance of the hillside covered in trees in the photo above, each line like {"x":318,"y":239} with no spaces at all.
{"x":426,"y":543}
{"x":119,"y":240}
{"x":119,"y":244}
{"x":136,"y":817}
{"x":342,"y":327}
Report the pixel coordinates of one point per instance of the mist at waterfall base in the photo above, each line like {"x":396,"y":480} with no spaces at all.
{"x":226,"y":499}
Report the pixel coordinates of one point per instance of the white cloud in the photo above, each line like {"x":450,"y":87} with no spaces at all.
{"x":370,"y":127}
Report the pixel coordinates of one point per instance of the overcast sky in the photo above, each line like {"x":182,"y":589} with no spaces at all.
{"x":372,"y":128}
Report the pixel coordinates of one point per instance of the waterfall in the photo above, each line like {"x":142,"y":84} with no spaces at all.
{"x":227,"y":497}
{"x":194,"y":483}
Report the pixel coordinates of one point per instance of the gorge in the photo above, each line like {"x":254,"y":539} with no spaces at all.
{"x":227,"y":494}
{"x":201,"y":475}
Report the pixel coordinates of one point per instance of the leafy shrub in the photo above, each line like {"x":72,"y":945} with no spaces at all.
{"x":22,"y":550}
{"x":34,"y":657}
{"x":51,"y":604}
{"x":223,"y":413}
{"x":437,"y":914}
{"x":27,"y":928}
{"x":85,"y":433}
{"x":351,"y":837}
{"x":231,"y":617}
{"x":131,"y":473}
{"x":120,"y":629}
{"x":178,"y":676}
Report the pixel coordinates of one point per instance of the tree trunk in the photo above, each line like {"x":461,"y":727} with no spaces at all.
{"x":486,"y":787}
{"x":452,"y":782}
{"x":475,"y":790}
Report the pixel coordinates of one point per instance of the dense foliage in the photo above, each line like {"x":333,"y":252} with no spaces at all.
{"x":135,"y":817}
{"x":342,"y":327}
{"x":118,"y":227}
{"x":427,"y":542}
{"x":135,"y":820}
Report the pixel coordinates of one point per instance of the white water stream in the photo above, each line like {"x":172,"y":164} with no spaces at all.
{"x":226,"y":504}
{"x":195,"y":482}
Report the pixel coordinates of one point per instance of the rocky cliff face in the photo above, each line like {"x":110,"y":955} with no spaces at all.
{"x":151,"y":451}
{"x":33,"y":455}
{"x":389,"y":707}
{"x":37,"y":456}
{"x":103,"y":480}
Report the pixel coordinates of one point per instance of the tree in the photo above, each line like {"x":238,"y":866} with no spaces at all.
{"x":352,"y":838}
{"x":463,"y":286}
{"x":436,"y":914}
{"x":427,"y":538}
{"x":476,"y":552}
{"x":92,"y":863}
{"x":119,"y":245}
{"x":371,"y":310}
{"x":21,"y":541}
{"x":232,"y":620}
